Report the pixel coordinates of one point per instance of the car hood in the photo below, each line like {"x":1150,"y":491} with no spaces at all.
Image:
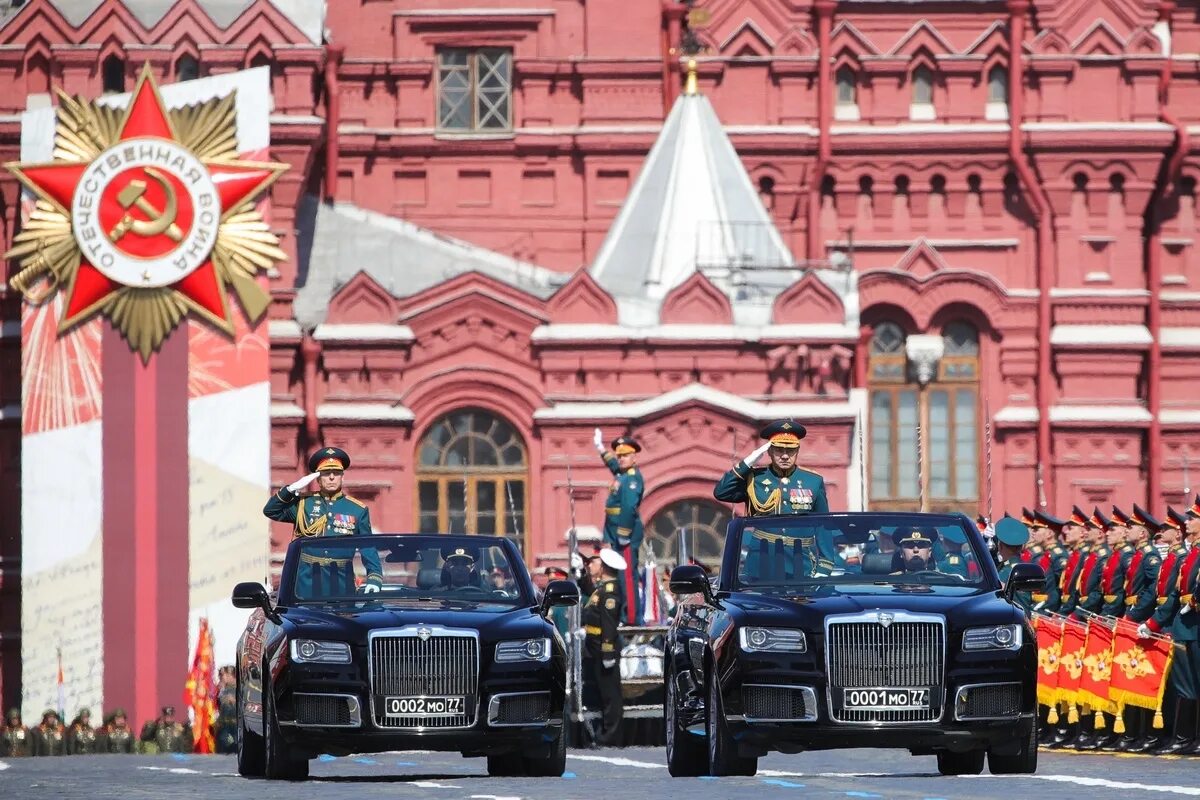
{"x":956,"y":603}
{"x":353,"y":624}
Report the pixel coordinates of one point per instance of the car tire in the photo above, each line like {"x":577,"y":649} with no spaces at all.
{"x":280,"y":763}
{"x":969,"y":763}
{"x":1023,"y":762}
{"x":553,"y":765}
{"x":251,"y":751}
{"x":723,"y":758}
{"x":687,"y":754}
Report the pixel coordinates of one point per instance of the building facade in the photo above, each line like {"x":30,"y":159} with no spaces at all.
{"x":969,"y":266}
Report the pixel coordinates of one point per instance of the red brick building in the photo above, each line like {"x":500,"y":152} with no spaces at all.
{"x":506,"y":228}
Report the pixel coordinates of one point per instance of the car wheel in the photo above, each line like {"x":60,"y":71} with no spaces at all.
{"x":723,"y":758}
{"x":251,"y":752}
{"x":280,"y":764}
{"x":969,"y":763}
{"x":553,"y":765}
{"x":1023,"y":762}
{"x":687,"y":753}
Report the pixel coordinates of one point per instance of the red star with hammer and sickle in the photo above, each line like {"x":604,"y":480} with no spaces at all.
{"x":146,"y":116}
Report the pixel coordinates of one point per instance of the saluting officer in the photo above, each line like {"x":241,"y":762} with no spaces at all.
{"x":781,"y":488}
{"x":15,"y":738}
{"x":329,"y":512}
{"x":1011,"y":538}
{"x":601,"y":616}
{"x":623,"y":529}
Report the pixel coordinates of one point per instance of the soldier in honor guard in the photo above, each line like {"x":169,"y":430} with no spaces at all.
{"x":1038,"y":536}
{"x":780,"y":488}
{"x":1116,"y":567}
{"x":116,"y":737}
{"x":15,"y":739}
{"x":81,"y":736}
{"x":1076,"y":532}
{"x":1091,"y":577}
{"x":49,"y":738}
{"x":1056,"y":558}
{"x":165,"y":735}
{"x":329,"y":512}
{"x":1185,"y":631}
{"x":601,"y":616}
{"x":622,"y":524}
{"x":1011,"y":537}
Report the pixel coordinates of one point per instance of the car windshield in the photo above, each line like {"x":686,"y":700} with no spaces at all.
{"x":909,"y":550}
{"x":408,"y":567}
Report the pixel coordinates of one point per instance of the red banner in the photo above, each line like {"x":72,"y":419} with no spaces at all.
{"x":1097,"y":667}
{"x":199,"y":692}
{"x":1139,"y":668}
{"x":1070,"y":663}
{"x":1049,"y":640}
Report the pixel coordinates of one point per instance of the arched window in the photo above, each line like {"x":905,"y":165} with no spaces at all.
{"x":698,"y":526}
{"x":112,"y":75}
{"x":472,"y":470}
{"x":997,"y":81}
{"x":893,"y":456}
{"x":187,"y":69}
{"x":953,"y":418}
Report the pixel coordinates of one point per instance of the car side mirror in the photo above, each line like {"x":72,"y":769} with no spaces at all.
{"x":691,"y":579}
{"x":1024,"y":577}
{"x":249,"y":594}
{"x":559,"y":593}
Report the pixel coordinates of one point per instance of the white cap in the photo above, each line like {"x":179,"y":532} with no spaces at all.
{"x":611,"y":558}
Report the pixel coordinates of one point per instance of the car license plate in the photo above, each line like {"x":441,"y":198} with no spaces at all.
{"x":424,"y":706}
{"x":885,"y":699}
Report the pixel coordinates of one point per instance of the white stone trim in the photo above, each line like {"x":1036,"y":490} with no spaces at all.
{"x":363,"y":332}
{"x":1083,"y":292}
{"x":750,"y":409}
{"x":476,"y":12}
{"x":1116,"y":127}
{"x":1174,"y":296}
{"x":1179,"y":416}
{"x":995,"y":111}
{"x":936,"y":244}
{"x":586,"y":332}
{"x":1180,"y":337}
{"x":1068,"y":413}
{"x":921,"y":112}
{"x":584,"y":533}
{"x":846,"y":112}
{"x":1016,"y":414}
{"x":284,"y":329}
{"x":364,"y":412}
{"x":1100,"y":335}
{"x":905,"y":129}
{"x":281,"y":410}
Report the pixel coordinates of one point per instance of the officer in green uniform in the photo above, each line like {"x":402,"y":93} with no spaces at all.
{"x":1077,"y":537}
{"x":329,"y":570}
{"x":15,"y":737}
{"x":1185,"y":631}
{"x":1011,"y":537}
{"x":116,"y":736}
{"x":948,"y":553}
{"x":781,"y":488}
{"x":601,"y":616}
{"x":81,"y":736}
{"x":623,"y":529}
{"x":1056,"y":558}
{"x":915,"y":546}
{"x":165,"y":735}
{"x":49,"y":738}
{"x":1141,"y":579}
{"x":1090,"y":583}
{"x":1113,"y":569}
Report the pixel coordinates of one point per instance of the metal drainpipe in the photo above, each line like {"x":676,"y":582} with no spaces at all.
{"x":333,"y":113}
{"x":673,"y":18}
{"x":1162,"y":190}
{"x":310,"y":351}
{"x":824,"y":10}
{"x":1043,"y":216}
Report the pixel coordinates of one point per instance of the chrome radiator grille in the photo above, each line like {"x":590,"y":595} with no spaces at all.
{"x":867,"y":654}
{"x":434,"y":666}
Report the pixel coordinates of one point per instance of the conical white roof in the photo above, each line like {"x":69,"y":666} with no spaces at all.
{"x":693,"y":205}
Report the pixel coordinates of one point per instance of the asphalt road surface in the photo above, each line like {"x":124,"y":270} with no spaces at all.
{"x":611,"y":774}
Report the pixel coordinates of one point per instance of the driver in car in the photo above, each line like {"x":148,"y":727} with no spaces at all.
{"x":458,"y":569}
{"x":916,"y":549}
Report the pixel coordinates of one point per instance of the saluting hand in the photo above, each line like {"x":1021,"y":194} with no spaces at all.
{"x":751,"y":459}
{"x":598,"y":439}
{"x":303,"y":482}
{"x":370,"y":588}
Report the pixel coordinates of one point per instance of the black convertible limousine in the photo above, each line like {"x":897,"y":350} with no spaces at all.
{"x":452,"y":653}
{"x":822,"y":632}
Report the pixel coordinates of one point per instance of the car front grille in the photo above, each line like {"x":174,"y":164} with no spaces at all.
{"x":406,"y":664}
{"x":779,"y":703}
{"x":988,"y":701}
{"x":327,"y":710}
{"x":907,"y":652}
{"x":524,"y":708}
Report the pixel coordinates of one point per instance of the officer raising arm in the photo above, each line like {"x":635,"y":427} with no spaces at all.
{"x":782,"y":487}
{"x":623,"y":529}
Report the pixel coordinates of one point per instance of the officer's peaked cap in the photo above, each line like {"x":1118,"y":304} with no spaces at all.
{"x":624,"y":445}
{"x":1012,"y":532}
{"x":612,"y":559}
{"x":328,"y":458}
{"x":905,"y":534}
{"x":1143,"y":517}
{"x":1050,"y":521}
{"x":784,"y":433}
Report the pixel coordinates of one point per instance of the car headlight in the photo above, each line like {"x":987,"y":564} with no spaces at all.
{"x":523,"y":650}
{"x":993,"y":637}
{"x":312,"y":651}
{"x":772,"y":640}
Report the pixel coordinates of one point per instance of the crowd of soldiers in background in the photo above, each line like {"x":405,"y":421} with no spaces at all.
{"x":116,"y":735}
{"x":1133,"y":567}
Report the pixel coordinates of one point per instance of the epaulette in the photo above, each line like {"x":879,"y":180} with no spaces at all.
{"x":631,"y":471}
{"x":809,"y":471}
{"x":355,"y":500}
{"x":610,"y":586}
{"x":953,"y":559}
{"x":1057,"y":549}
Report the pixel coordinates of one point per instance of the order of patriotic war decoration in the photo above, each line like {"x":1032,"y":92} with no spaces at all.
{"x":144,"y":215}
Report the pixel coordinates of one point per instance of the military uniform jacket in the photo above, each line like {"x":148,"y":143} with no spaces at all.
{"x":1141,"y":596}
{"x":1112,"y":580}
{"x":1091,"y":589}
{"x":621,"y":520}
{"x":49,"y":740}
{"x":1186,"y":627}
{"x":1069,"y":580}
{"x":1022,"y":599}
{"x":173,"y":738}
{"x":1054,"y":562}
{"x":1174,"y":582}
{"x":316,"y":515}
{"x":766,"y":492}
{"x":81,"y":740}
{"x":14,"y":742}
{"x":116,"y":740}
{"x":601,"y":616}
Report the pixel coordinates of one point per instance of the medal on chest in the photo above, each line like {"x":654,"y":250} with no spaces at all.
{"x":800,"y":498}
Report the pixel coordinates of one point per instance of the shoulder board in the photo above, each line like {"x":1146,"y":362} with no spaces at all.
{"x":1152,"y":560}
{"x":809,"y":471}
{"x":631,"y":471}
{"x":610,"y":586}
{"x":1125,"y":548}
{"x":355,"y":500}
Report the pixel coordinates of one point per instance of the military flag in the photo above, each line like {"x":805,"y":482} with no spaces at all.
{"x":199,"y":692}
{"x":1070,"y":665}
{"x":1049,"y":641}
{"x":1139,"y":669}
{"x":62,"y":690}
{"x":1097,"y":669}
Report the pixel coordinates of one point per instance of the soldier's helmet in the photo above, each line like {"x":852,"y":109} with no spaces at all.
{"x":13,"y":714}
{"x":168,"y":711}
{"x":84,"y":713}
{"x":49,"y":712}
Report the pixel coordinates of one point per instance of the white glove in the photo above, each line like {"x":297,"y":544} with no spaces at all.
{"x":370,"y":588}
{"x":609,"y":663}
{"x":1185,"y":609}
{"x":751,"y":459}
{"x":303,"y":483}
{"x":576,"y":561}
{"x":1144,"y":631}
{"x":598,"y":439}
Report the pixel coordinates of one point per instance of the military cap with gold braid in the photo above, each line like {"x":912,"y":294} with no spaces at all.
{"x":1144,"y":518}
{"x":328,"y":458}
{"x":459,"y":554}
{"x":1101,"y":521}
{"x":1119,"y":516}
{"x":1194,"y":511}
{"x":1175,"y":520}
{"x":1029,"y":518}
{"x":1046,"y":520}
{"x":1078,"y":517}
{"x":905,"y":534}
{"x":785,"y":433}
{"x":625,"y":445}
